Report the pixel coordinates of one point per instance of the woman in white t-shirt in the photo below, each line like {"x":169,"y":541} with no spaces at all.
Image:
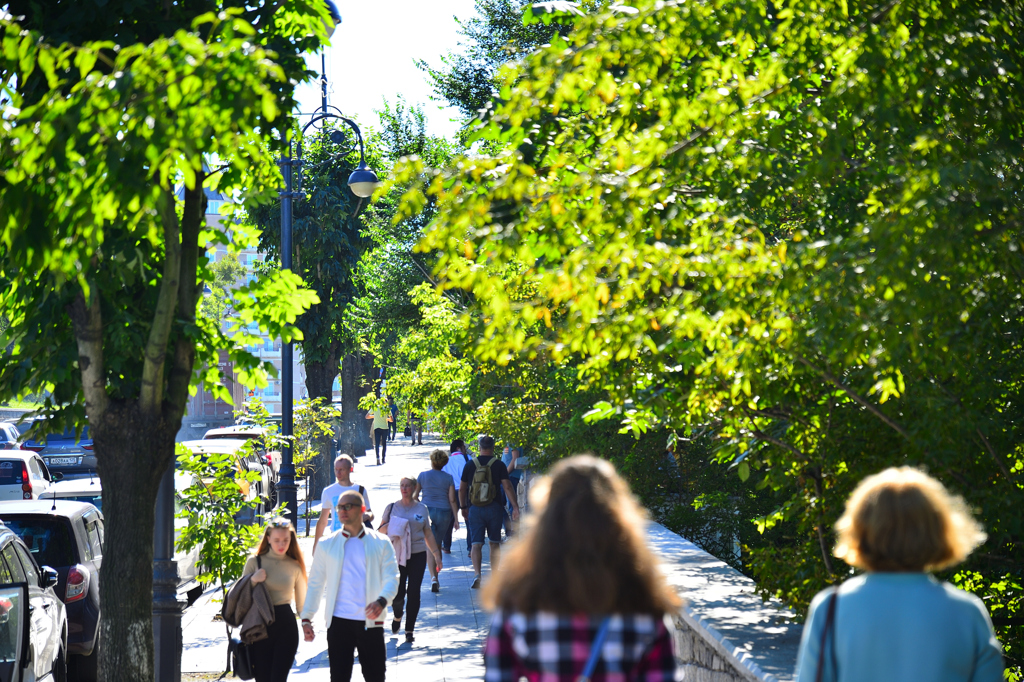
{"x":410,"y":576}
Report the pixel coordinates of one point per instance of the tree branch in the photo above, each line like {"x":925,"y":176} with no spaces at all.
{"x":151,"y":393}
{"x":859,"y":399}
{"x":87,"y":320}
{"x":1000,"y":463}
{"x":188,"y":297}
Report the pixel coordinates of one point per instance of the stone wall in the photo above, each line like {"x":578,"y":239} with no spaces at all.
{"x":725,"y":632}
{"x":705,"y":656}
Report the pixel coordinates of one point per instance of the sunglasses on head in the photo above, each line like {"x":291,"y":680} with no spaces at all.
{"x":279,"y":522}
{"x":348,"y":506}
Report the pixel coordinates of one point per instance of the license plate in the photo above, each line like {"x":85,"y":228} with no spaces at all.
{"x":62,"y":460}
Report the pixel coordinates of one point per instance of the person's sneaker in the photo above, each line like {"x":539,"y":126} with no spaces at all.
{"x":446,"y":550}
{"x":409,"y":639}
{"x":378,"y":461}
{"x":435,"y":586}
{"x":396,"y":625}
{"x":476,"y":582}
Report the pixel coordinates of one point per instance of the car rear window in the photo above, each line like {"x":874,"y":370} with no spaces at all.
{"x":48,"y":539}
{"x":11,"y":471}
{"x":68,"y":435}
{"x":92,"y":498}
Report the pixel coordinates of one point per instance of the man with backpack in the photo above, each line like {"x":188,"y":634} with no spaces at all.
{"x":481,"y":505}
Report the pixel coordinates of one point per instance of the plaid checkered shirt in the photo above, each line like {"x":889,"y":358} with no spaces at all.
{"x":546,"y":647}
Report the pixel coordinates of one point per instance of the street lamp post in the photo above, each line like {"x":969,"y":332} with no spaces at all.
{"x":362,"y":181}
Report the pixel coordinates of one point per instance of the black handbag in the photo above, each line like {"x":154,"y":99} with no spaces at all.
{"x":241,"y":663}
{"x":239,"y":656}
{"x":408,"y":431}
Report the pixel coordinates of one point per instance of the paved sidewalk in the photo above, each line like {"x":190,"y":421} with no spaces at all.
{"x":450,"y":627}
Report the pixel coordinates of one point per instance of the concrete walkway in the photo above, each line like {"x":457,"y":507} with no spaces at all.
{"x":450,"y":627}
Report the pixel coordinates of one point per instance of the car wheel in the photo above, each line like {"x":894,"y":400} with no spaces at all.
{"x":273,"y":496}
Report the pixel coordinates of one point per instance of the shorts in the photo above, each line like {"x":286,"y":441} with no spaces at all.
{"x":440,"y":519}
{"x":485,"y":520}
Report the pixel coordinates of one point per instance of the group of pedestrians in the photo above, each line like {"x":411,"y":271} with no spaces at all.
{"x":581,"y":595}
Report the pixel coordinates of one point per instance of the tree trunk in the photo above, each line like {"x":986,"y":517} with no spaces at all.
{"x":132,"y":452}
{"x":320,"y":384}
{"x":355,"y":429}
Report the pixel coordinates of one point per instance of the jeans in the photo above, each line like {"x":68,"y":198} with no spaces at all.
{"x":411,"y":573}
{"x":394,"y":428}
{"x":272,"y":658}
{"x":380,"y":443}
{"x":441,"y":523}
{"x":485,"y":520}
{"x":344,"y":637}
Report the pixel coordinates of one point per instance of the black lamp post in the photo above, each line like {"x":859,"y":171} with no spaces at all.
{"x":363,"y":181}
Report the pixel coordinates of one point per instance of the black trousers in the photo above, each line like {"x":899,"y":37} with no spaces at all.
{"x":447,"y":542}
{"x":411,"y":573}
{"x":394,"y":429}
{"x":344,"y":638}
{"x":380,"y":440}
{"x":273,"y":657}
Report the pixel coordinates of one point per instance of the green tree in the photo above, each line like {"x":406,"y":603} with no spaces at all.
{"x":216,"y":306}
{"x":102,"y":270}
{"x":212,"y":504}
{"x":471,"y":78}
{"x":795,"y":224}
{"x":315,"y":420}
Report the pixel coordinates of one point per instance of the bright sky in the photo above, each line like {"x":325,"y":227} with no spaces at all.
{"x":372,"y":55}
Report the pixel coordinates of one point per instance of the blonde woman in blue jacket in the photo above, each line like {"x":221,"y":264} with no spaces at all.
{"x":355,"y":574}
{"x":896,"y":622}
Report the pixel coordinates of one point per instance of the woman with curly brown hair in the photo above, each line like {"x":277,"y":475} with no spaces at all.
{"x":896,"y":622}
{"x":581,"y":569}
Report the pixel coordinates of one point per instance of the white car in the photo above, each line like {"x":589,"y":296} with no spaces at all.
{"x":262,"y":491}
{"x":23,"y":475}
{"x":91,"y":491}
{"x":249,"y":432}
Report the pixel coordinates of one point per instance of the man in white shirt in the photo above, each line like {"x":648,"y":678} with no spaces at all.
{"x":356,"y":575}
{"x":343,"y":466}
{"x":457,"y":461}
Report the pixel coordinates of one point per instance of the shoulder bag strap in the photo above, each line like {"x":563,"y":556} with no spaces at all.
{"x":830,"y":619}
{"x":259,"y":562}
{"x":595,"y":652}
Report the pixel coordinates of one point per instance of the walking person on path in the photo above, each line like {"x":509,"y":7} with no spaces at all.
{"x":379,"y":433}
{"x":392,"y":418}
{"x":410,"y":577}
{"x":481,"y":505}
{"x":282,"y":570}
{"x":457,"y":460}
{"x":896,"y":622}
{"x":343,"y":466}
{"x":582,"y":567}
{"x":438,"y":489}
{"x":355,"y":574}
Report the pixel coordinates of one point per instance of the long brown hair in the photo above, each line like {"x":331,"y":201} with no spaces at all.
{"x":293,"y":550}
{"x":584,"y":550}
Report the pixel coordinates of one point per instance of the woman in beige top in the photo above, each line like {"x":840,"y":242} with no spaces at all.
{"x":283,"y":571}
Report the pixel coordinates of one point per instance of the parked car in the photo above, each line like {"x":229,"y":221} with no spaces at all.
{"x":9,"y":436}
{"x":250,"y":432}
{"x":67,"y":452}
{"x":67,"y":536}
{"x":90,"y":490}
{"x":33,"y":620}
{"x":23,"y":475}
{"x":246,"y":460}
